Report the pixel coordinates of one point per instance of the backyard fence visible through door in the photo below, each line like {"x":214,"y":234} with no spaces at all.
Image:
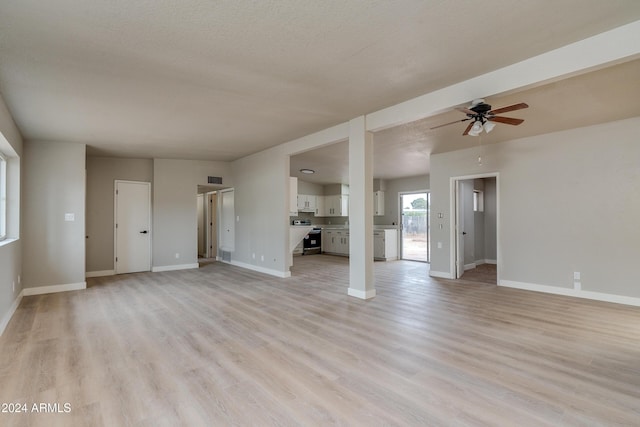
{"x":414,"y":226}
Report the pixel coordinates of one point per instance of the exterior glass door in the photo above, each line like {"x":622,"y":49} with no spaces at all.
{"x":414,"y":211}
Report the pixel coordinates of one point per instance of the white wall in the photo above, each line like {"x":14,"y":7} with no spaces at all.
{"x":311,"y":188}
{"x":101,"y":175}
{"x":568,"y":201}
{"x":175,"y":186}
{"x":54,"y":185}
{"x":10,"y":252}
{"x":261,"y":183}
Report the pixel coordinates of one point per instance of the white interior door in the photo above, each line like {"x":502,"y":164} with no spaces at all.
{"x":212,"y":225}
{"x":132,"y":226}
{"x":227,"y":221}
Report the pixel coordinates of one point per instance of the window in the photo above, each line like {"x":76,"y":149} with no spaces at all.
{"x":3,"y":197}
{"x":478,"y":201}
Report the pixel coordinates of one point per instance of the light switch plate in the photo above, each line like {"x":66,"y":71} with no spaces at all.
{"x":69,"y":217}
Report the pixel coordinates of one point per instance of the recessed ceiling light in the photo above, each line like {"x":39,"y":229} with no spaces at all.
{"x":307,"y":171}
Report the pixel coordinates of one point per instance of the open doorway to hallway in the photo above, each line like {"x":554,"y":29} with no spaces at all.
{"x":207,"y":225}
{"x":414,"y":226}
{"x":476,"y":229}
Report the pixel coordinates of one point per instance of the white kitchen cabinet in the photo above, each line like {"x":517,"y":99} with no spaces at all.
{"x":385,"y":244}
{"x":335,"y":242}
{"x":336,"y":205}
{"x":378,"y":203}
{"x":328,"y":241}
{"x":342,"y":242}
{"x":293,"y":196}
{"x":306,"y":203}
{"x":320,"y":206}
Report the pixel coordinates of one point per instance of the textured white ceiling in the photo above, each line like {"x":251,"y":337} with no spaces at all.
{"x":222,"y":79}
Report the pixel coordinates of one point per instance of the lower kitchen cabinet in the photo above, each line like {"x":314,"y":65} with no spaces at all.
{"x":335,"y":242}
{"x":385,"y":245}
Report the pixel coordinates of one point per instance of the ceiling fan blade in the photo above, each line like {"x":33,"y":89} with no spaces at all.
{"x":466,"y":131}
{"x":447,"y":124}
{"x":506,"y":120}
{"x":513,"y":107}
{"x":466,"y":110}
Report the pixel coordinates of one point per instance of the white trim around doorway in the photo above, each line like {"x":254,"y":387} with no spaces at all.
{"x":454,"y":225}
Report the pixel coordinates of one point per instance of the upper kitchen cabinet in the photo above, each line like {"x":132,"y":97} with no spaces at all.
{"x":336,"y":205}
{"x":293,"y":196}
{"x":320,"y":206}
{"x":307,"y":203}
{"x":378,"y":203}
{"x":336,"y":200}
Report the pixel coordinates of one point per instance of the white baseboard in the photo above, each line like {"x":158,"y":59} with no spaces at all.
{"x":54,"y":288}
{"x":7,"y":317}
{"x":259,"y":269}
{"x":441,"y":274}
{"x":485,"y":261}
{"x":470,"y":266}
{"x":100,"y":273}
{"x":361,"y":294}
{"x":598,"y":296}
{"x":158,"y":269}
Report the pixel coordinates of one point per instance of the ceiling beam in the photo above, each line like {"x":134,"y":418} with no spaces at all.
{"x":614,"y":46}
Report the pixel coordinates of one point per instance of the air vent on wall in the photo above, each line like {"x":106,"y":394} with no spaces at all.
{"x":214,"y":179}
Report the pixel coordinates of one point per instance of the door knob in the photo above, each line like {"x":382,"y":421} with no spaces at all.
{"x":144,"y":232}
{"x":464,"y":233}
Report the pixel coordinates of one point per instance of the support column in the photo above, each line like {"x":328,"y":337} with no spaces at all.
{"x":361,"y":280}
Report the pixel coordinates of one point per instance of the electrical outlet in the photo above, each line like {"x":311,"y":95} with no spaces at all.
{"x":439,"y":245}
{"x":261,"y":257}
{"x":253,"y":255}
{"x":577,"y":286}
{"x":177,"y":255}
{"x":576,"y":275}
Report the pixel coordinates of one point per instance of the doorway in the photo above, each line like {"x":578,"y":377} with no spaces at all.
{"x":414,"y":226}
{"x":207,"y":225}
{"x":132,"y":227}
{"x":475,"y":230}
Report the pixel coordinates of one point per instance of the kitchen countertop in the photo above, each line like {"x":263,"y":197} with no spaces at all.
{"x":346,"y":227}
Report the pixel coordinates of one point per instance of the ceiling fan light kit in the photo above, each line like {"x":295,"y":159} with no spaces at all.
{"x":476,"y":128}
{"x":488,"y":126}
{"x":484,"y":118}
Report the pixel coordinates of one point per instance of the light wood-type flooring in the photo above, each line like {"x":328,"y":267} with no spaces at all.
{"x":223,"y":346}
{"x":483,"y":273}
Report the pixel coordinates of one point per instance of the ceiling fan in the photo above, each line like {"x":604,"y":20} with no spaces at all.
{"x":483,"y":117}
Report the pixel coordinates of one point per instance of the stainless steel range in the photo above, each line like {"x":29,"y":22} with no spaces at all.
{"x":312,"y":242}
